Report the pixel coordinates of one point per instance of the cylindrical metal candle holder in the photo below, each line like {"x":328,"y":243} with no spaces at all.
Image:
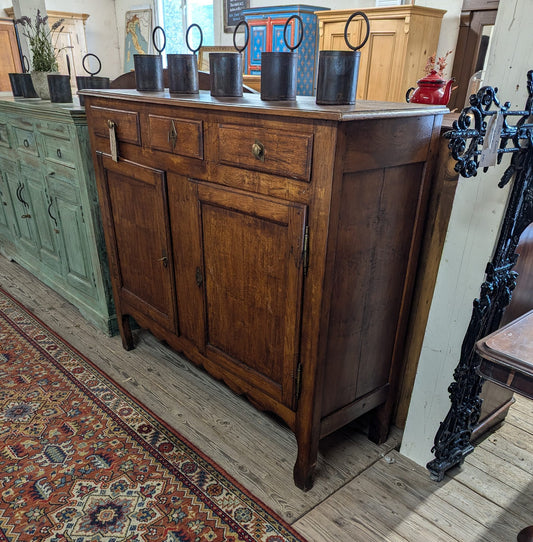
{"x":183,"y":69}
{"x":91,"y":80}
{"x":225,"y":69}
{"x":26,"y":83}
{"x":15,"y":80}
{"x":149,"y":68}
{"x":338,"y":71}
{"x":59,"y":86}
{"x":279,"y":68}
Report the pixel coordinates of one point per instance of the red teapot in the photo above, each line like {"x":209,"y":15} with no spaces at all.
{"x":432,"y":90}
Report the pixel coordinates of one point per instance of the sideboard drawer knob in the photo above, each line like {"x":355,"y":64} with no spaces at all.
{"x":258,"y":150}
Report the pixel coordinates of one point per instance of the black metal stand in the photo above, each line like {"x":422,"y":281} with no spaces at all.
{"x":452,"y":441}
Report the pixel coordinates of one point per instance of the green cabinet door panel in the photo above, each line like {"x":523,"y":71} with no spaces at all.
{"x":6,"y":206}
{"x":67,"y":213}
{"x":34,"y":190}
{"x":24,"y":227}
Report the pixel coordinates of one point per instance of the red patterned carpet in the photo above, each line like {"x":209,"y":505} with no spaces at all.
{"x":82,"y":461}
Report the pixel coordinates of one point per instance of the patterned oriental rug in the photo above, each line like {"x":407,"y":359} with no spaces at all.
{"x":83,"y":461}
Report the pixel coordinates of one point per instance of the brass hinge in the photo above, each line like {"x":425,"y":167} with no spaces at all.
{"x":298,"y":383}
{"x":306,"y":251}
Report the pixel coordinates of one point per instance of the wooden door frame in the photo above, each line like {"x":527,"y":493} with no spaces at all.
{"x":474,"y":15}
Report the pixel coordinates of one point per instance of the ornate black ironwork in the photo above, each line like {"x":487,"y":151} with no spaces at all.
{"x":452,"y":441}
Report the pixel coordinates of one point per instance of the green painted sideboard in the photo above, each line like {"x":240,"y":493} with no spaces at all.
{"x":49,"y":214}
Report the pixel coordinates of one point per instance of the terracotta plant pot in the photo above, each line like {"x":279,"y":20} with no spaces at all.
{"x":40,"y":83}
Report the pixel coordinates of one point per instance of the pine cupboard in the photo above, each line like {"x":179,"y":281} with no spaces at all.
{"x":273,"y":244}
{"x":395,"y":55}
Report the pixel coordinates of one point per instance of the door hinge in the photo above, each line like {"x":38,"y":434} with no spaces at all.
{"x":305,"y":254}
{"x":298,"y":382}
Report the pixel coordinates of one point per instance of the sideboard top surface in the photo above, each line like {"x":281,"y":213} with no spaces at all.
{"x":38,"y":107}
{"x":302,"y":107}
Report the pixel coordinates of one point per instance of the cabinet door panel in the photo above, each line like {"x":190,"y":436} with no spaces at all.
{"x":6,"y":205}
{"x":24,"y":227}
{"x":258,"y":44}
{"x":252,"y":249}
{"x":65,"y":213}
{"x":135,"y":208}
{"x":380,"y":71}
{"x":34,"y":192}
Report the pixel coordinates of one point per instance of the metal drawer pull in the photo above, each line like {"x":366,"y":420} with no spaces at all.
{"x":164,"y":259}
{"x":21,"y":199}
{"x":59,"y":150}
{"x":258,"y":150}
{"x":26,"y":143}
{"x":52,"y":216}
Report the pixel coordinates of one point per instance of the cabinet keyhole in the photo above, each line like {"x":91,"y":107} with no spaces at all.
{"x":199,"y":277}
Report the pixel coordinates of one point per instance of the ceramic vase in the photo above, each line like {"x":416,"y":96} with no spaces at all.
{"x":40,"y":83}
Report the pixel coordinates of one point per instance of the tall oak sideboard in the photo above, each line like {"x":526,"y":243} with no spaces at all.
{"x":274,"y":244}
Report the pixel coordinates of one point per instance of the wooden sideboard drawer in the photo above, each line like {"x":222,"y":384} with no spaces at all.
{"x":266,"y":149}
{"x":126,"y":124}
{"x":176,"y":135}
{"x":59,"y":150}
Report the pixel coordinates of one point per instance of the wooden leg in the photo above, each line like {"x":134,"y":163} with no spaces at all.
{"x":525,"y":535}
{"x":124,"y":328}
{"x":378,"y":430}
{"x":304,"y":468}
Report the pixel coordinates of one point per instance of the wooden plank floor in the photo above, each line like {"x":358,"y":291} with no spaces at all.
{"x":362,"y":492}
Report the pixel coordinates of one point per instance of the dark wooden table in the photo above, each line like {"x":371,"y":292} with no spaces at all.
{"x":507,"y":359}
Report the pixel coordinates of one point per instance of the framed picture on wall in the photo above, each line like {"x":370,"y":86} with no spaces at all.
{"x":233,"y":13}
{"x":203,"y":54}
{"x":137,"y":35}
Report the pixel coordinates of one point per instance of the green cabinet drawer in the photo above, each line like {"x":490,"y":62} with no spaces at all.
{"x":25,"y":141}
{"x":59,"y":151}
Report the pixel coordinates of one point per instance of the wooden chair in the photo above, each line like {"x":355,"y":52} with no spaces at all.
{"x":127,"y":80}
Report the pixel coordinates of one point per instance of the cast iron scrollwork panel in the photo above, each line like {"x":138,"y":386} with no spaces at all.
{"x":452,"y":441}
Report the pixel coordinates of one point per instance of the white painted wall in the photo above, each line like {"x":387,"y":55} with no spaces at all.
{"x":449,"y":29}
{"x":100,"y":30}
{"x":476,"y":216}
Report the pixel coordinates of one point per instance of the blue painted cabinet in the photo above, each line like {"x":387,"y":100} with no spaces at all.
{"x":49,"y":215}
{"x":266,"y":34}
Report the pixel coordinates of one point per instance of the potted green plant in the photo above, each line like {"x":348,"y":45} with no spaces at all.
{"x":42,"y":41}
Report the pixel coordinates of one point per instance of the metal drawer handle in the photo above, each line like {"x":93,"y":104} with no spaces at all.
{"x":20,"y":198}
{"x":258,"y":150}
{"x":58,"y":153}
{"x":26,"y":143}
{"x":51,"y":215}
